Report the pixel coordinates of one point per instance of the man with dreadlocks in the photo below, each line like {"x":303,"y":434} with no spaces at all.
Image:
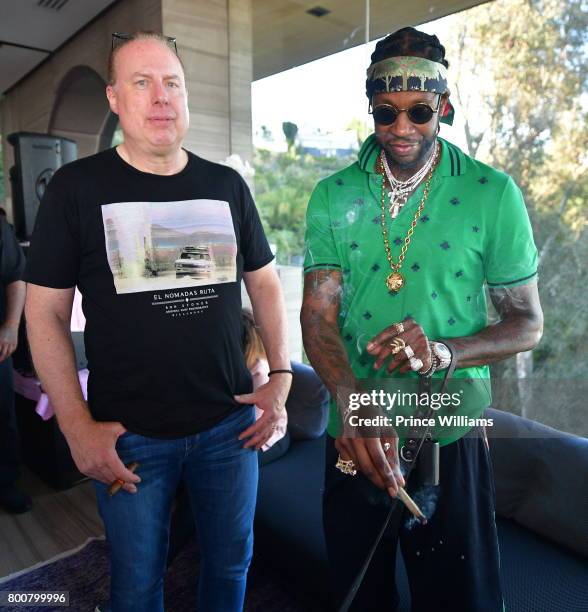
{"x":400,"y":247}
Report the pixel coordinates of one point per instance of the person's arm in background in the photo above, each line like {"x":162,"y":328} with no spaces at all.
{"x":269,"y":312}
{"x":11,"y":270}
{"x":259,"y":373}
{"x":15,"y":294}
{"x":92,"y":443}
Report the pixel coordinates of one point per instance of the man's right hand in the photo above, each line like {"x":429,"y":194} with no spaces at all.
{"x":92,"y":444}
{"x":368,"y":455}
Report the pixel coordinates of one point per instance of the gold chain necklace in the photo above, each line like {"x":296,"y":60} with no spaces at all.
{"x":395,"y":280}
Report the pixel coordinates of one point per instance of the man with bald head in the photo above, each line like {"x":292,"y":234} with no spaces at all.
{"x":158,"y":240}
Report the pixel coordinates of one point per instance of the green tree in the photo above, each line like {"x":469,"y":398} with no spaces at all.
{"x":290,"y":132}
{"x":361,"y":128}
{"x":519,"y":67}
{"x":283,"y":184}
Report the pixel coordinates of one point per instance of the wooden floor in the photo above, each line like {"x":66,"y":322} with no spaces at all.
{"x":58,"y":522}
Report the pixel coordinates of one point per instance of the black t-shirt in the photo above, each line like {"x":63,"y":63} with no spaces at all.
{"x":159,"y":261}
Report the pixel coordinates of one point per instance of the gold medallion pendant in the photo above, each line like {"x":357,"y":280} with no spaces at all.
{"x":395,"y":281}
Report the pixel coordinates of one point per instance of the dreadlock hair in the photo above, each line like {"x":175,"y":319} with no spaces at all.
{"x":140,"y":35}
{"x":411,"y":42}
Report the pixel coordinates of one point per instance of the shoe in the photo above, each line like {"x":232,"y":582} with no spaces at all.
{"x":14,"y":501}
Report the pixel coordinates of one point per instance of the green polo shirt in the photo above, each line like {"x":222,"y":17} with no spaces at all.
{"x":474,"y":230}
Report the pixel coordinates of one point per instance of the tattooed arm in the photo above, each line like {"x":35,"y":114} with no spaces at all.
{"x":320,"y":332}
{"x":325,"y":350}
{"x":520,"y":328}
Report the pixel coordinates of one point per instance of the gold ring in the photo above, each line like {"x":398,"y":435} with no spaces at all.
{"x":399,"y":327}
{"x":346,"y":466}
{"x":397,"y":345}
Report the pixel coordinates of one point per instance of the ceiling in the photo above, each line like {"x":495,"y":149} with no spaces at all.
{"x":284,"y":33}
{"x":30,"y":30}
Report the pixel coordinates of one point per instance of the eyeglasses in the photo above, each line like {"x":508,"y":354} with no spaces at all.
{"x":118,"y":37}
{"x":419,"y":113}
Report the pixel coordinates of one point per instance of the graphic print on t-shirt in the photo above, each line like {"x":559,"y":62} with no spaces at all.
{"x":169,"y":245}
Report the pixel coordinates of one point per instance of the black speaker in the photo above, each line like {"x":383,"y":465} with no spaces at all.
{"x":37,"y":157}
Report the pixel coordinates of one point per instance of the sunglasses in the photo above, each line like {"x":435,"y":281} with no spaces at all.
{"x":419,"y":113}
{"x":118,"y":38}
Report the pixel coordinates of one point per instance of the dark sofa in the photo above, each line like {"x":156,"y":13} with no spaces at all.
{"x":542,"y":516}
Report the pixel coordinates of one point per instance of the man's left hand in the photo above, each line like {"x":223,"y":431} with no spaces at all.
{"x":271,"y":398}
{"x":8,"y":341}
{"x":413,"y":336}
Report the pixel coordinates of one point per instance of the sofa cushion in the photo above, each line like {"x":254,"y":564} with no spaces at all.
{"x":279,"y":449}
{"x":541,"y":478}
{"x":307,"y":404}
{"x":288,"y":523}
{"x":538,"y":576}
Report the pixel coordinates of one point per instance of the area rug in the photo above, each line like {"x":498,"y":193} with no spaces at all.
{"x":84,"y":573}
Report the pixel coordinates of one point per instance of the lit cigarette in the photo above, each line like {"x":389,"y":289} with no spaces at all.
{"x":407,"y":500}
{"x":116,"y":486}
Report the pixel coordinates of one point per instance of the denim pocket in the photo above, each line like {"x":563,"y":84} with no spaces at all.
{"x":128,"y":439}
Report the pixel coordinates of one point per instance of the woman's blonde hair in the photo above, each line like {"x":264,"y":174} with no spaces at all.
{"x":252,"y":344}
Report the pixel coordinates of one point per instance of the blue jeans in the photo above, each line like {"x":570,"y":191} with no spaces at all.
{"x":221,"y":479}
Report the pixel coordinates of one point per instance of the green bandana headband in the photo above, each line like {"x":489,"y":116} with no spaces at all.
{"x":408,"y":73}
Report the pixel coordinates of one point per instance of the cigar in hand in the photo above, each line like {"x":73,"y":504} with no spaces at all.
{"x":407,"y":500}
{"x":117,"y":485}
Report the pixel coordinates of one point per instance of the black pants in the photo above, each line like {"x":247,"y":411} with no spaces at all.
{"x":9,"y":441}
{"x":452,"y":562}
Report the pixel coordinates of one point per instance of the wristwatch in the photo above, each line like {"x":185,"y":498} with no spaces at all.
{"x":441,"y":355}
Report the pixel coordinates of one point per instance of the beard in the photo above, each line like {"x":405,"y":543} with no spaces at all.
{"x":425,"y":150}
